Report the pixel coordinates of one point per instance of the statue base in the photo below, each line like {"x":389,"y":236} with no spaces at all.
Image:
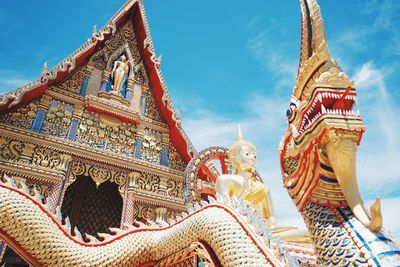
{"x":114,"y":97}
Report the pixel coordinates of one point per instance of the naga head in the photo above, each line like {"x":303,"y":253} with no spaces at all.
{"x":242,"y":155}
{"x":318,"y":151}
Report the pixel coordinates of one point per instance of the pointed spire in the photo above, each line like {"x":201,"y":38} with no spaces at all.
{"x":240,"y":134}
{"x":314,"y":47}
{"x":313,"y":35}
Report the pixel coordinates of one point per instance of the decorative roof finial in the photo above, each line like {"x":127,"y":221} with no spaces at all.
{"x":45,"y":69}
{"x":240,"y":134}
{"x":94,"y":29}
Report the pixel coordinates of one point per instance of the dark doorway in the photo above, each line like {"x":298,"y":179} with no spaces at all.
{"x":92,"y":210}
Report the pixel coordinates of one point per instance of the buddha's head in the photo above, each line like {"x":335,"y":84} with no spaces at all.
{"x":242,"y":155}
{"x":123,"y":58}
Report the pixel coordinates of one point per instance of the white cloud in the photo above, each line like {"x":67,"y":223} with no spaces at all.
{"x":379,"y":154}
{"x":382,"y":17}
{"x":383,"y":126}
{"x":355,"y":38}
{"x":276,"y":57}
{"x":11,"y":80}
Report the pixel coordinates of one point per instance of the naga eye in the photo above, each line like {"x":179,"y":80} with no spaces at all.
{"x":291,"y":112}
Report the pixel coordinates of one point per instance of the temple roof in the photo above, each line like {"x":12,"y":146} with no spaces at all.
{"x":134,"y":10}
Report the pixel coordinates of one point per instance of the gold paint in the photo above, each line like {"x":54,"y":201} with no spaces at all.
{"x":110,"y":120}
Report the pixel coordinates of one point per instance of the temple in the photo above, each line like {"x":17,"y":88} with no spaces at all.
{"x":105,"y":155}
{"x":96,"y":170}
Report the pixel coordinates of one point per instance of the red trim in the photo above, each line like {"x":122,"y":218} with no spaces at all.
{"x":57,"y":223}
{"x":214,"y":259}
{"x":98,"y":110}
{"x":208,"y":173}
{"x":223,"y":165}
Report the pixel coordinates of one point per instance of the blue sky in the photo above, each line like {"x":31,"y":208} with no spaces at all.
{"x":230,"y":62}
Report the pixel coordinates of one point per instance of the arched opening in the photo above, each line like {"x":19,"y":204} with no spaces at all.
{"x":92,"y":209}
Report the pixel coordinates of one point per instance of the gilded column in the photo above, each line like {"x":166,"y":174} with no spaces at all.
{"x":43,"y":106}
{"x":130,"y":201}
{"x":129,"y":89}
{"x":164,"y":160}
{"x":137,"y":97}
{"x":161,"y":215}
{"x":87,"y":72}
{"x":58,"y":187}
{"x":137,"y":153}
{"x":105,"y":80}
{"x":73,"y":128}
{"x":143,"y":102}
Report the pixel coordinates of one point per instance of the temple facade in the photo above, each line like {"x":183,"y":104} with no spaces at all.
{"x":97,"y":134}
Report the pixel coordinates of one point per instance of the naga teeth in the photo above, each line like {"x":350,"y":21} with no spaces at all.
{"x":294,"y":130}
{"x":323,"y":109}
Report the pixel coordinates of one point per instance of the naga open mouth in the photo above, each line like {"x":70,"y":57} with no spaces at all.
{"x":332,"y":103}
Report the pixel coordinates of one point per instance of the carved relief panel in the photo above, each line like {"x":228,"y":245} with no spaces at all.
{"x":58,"y":118}
{"x":149,"y":182}
{"x":21,"y":118}
{"x":99,"y":174}
{"x":18,"y":151}
{"x":151,"y":146}
{"x":175,"y":160}
{"x":119,"y":139}
{"x":151,"y":110}
{"x":73,"y":82}
{"x":148,"y":212}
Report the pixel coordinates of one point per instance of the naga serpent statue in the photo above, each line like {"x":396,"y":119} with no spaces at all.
{"x":318,"y":158}
{"x":318,"y":165}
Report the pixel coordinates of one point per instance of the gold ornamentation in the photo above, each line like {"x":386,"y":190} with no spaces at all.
{"x":175,"y":160}
{"x":45,"y":157}
{"x":99,"y":174}
{"x":119,"y":139}
{"x":10,"y":149}
{"x":43,"y":189}
{"x":151,"y":146}
{"x":124,"y":35}
{"x":173,"y":188}
{"x":149,"y":182}
{"x":22,"y":217}
{"x":58,"y":118}
{"x":147,"y":213}
{"x":22,"y":118}
{"x":151,"y":107}
{"x":73,"y":82}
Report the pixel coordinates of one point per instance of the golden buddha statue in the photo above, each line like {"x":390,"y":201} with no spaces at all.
{"x":118,"y":74}
{"x":243,"y":182}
